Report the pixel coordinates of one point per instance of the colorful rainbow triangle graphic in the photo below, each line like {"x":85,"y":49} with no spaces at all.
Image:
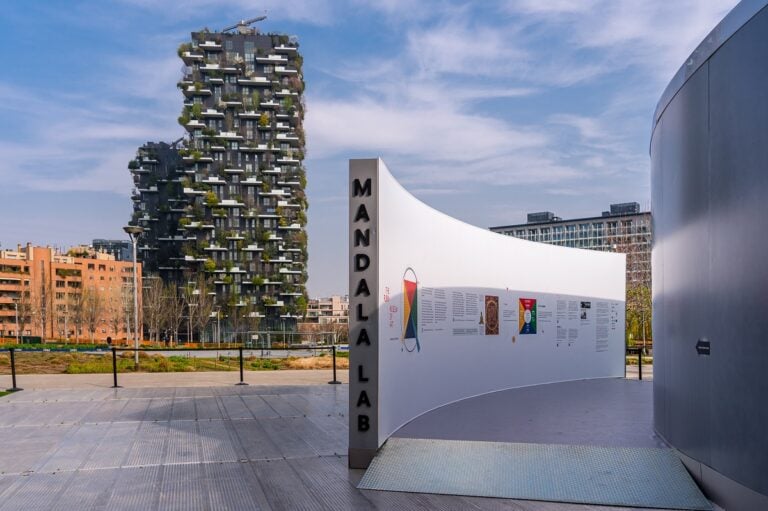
{"x":410,"y":308}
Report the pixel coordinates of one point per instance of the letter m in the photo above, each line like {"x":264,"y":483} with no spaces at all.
{"x":361,"y":190}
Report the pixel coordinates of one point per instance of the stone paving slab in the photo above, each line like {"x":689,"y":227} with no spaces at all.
{"x":219,"y":447}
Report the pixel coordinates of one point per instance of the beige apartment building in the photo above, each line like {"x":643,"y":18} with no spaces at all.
{"x":80,"y":295}
{"x":326,"y":311}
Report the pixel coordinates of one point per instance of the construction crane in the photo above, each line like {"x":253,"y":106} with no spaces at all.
{"x":242,"y":25}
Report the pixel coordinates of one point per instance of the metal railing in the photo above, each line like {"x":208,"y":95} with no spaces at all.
{"x":639,"y":352}
{"x":240,"y":350}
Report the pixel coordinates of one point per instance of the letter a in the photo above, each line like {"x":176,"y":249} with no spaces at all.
{"x":363,"y":400}
{"x":362,"y":214}
{"x":362,"y":338}
{"x":362,"y":288}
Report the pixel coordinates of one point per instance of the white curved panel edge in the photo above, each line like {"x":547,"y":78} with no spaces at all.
{"x":441,"y":310}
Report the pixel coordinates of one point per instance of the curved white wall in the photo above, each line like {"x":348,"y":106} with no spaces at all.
{"x":466,"y":275}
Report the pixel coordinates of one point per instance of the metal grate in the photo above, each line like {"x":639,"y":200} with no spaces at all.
{"x":634,"y":477}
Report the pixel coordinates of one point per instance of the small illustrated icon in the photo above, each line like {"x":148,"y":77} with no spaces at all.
{"x":410,"y":337}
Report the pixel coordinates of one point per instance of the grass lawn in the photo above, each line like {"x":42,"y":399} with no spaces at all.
{"x":3,"y":393}
{"x":81,"y":363}
{"x":632,"y":360}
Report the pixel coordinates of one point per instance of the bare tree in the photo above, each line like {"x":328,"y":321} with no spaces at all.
{"x":206,"y":301}
{"x":126,"y":296}
{"x":43,"y":307}
{"x":24,"y":309}
{"x":235,"y":316}
{"x":93,"y":309}
{"x":154,"y":313}
{"x":252,"y":319}
{"x":115,"y":310}
{"x":76,"y":305}
{"x":174,"y":307}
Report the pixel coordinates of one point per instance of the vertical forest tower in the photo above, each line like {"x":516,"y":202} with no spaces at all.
{"x":227,"y":200}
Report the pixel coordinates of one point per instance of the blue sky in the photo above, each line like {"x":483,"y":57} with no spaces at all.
{"x":484,"y":110}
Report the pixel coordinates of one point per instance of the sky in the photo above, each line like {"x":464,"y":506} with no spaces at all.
{"x":483,"y":110}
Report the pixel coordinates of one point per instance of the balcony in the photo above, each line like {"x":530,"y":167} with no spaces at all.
{"x":251,"y":181}
{"x":213,"y":113}
{"x":233,"y":171}
{"x":194,"y":124}
{"x":284,"y":93}
{"x":287,"y":137}
{"x":192,"y":91}
{"x":272,"y":59}
{"x":284,"y":48}
{"x":253,"y":148}
{"x":291,"y":227}
{"x":274,"y":193}
{"x":192,"y":191}
{"x":253,"y":248}
{"x":269,"y":104}
{"x":255,"y":80}
{"x":285,"y":70}
{"x":231,"y":203}
{"x":288,"y":159}
{"x":210,"y":46}
{"x":189,"y":57}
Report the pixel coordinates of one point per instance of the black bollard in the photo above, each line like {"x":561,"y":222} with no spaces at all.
{"x":114,"y":369}
{"x":13,"y":372}
{"x":334,"y":381}
{"x":242,"y":381}
{"x":640,"y":364}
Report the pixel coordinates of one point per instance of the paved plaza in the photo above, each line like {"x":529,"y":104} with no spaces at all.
{"x":217,"y":447}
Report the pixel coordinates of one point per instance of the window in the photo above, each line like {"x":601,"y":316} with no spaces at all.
{"x":558,"y":233}
{"x":228,"y":44}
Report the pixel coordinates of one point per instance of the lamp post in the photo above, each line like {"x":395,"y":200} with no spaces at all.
{"x":133,"y":232}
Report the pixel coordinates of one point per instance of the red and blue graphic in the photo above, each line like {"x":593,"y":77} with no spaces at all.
{"x":527,"y":316}
{"x":410,"y":337}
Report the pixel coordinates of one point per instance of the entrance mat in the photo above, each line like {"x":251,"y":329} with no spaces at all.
{"x":583,"y":474}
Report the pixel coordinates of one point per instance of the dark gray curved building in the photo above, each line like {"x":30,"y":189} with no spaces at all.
{"x":709,"y":152}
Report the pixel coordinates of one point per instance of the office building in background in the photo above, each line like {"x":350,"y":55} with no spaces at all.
{"x":623,"y":228}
